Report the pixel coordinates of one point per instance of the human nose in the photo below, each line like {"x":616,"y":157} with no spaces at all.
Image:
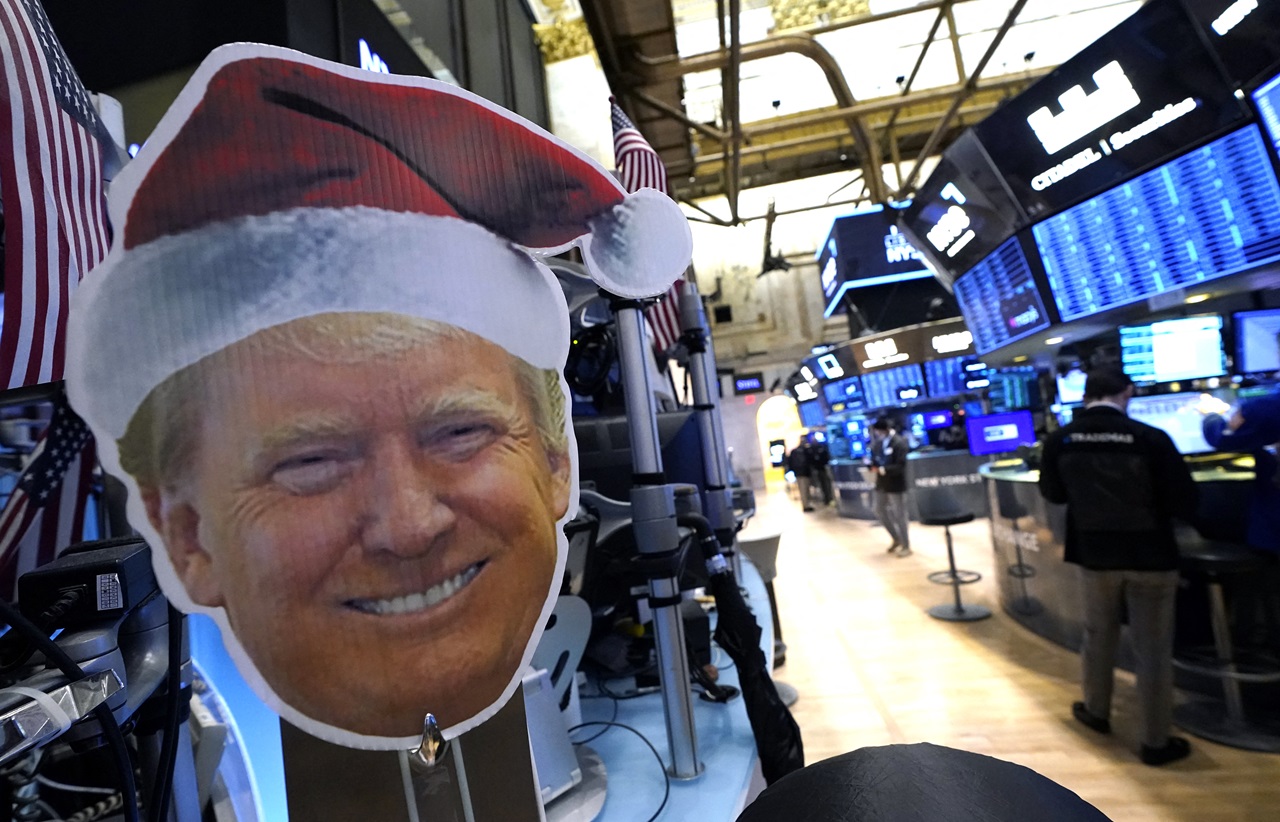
{"x":408,"y":508}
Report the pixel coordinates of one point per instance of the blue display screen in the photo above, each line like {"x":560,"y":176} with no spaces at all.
{"x":937,"y":419}
{"x":847,"y":391}
{"x":999,"y":299}
{"x":1258,"y":341}
{"x":811,"y":414}
{"x":1212,"y":212}
{"x":1267,"y":98}
{"x":1000,"y":433}
{"x":945,"y":377}
{"x":1186,"y":348}
{"x":880,"y":388}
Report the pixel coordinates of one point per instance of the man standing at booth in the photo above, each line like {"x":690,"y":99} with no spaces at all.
{"x":1123,"y":483}
{"x":889,"y":464}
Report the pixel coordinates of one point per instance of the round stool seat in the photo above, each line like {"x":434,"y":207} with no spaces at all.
{"x":1213,"y":556}
{"x":947,"y":519}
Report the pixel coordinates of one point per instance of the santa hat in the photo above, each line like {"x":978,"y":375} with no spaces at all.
{"x":280,"y":186}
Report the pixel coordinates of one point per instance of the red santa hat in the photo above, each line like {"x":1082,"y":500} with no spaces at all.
{"x":280,"y":186}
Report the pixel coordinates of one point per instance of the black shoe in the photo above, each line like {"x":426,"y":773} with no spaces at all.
{"x":809,"y":510}
{"x":1176,"y":748}
{"x":1097,"y":723}
{"x":895,"y":546}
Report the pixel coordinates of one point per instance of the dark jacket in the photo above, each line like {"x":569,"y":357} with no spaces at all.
{"x":1261,"y":428}
{"x":890,"y":455}
{"x":800,"y":461}
{"x":1123,"y":482}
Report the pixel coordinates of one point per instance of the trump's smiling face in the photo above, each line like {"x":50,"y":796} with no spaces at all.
{"x":380,"y":532}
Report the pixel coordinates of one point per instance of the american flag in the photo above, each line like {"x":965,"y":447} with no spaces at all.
{"x":639,"y":166}
{"x":51,"y":172}
{"x":45,"y":512}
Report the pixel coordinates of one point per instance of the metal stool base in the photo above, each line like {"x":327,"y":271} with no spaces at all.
{"x":965,"y":613}
{"x":1207,"y":719}
{"x":1021,"y":571}
{"x":1027,"y":606}
{"x":956,"y":578}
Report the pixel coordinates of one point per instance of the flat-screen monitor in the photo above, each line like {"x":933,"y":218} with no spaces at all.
{"x":937,"y":419}
{"x":1175,"y":414}
{"x":1212,"y":212}
{"x":811,"y":414}
{"x":1186,"y":348}
{"x":865,"y":250}
{"x":845,"y":395}
{"x":604,"y":451}
{"x":880,"y":388}
{"x":1000,"y":433}
{"x":946,"y":378}
{"x":1138,"y":95}
{"x":1014,"y":388}
{"x":1071,"y":386}
{"x":1258,"y":341}
{"x":1000,"y":300}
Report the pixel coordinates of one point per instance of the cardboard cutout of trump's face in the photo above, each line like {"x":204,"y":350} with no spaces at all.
{"x":326,"y":364}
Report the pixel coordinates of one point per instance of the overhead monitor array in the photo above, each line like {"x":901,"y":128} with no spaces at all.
{"x":1128,"y":172}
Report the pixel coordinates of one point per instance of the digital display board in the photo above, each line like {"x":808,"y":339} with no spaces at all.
{"x":1178,"y":415}
{"x":1266,"y":98}
{"x":880,"y":388}
{"x":913,"y":344}
{"x":1258,"y":341}
{"x":1186,"y":348}
{"x":1000,"y":300}
{"x":1141,"y":93}
{"x":748,"y":383}
{"x":999,"y":433}
{"x":1014,"y":388}
{"x":945,"y":378}
{"x":845,"y":395}
{"x":866,"y":250}
{"x":963,"y":211}
{"x":937,"y":419}
{"x":1241,"y":32}
{"x":835,"y":363}
{"x":1212,"y":212}
{"x":812,"y":414}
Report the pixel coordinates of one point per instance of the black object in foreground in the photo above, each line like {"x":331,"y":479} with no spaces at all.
{"x":918,"y":783}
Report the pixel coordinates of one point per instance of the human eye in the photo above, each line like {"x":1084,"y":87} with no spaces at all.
{"x":312,"y":472}
{"x":461,"y":439}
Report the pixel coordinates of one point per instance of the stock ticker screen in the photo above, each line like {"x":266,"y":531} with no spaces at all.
{"x":880,"y":388}
{"x":1211,"y":212}
{"x":946,"y":377}
{"x":1000,"y":300}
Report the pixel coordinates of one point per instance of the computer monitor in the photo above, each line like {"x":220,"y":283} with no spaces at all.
{"x":811,"y":414}
{"x":1186,"y":348}
{"x":1175,"y":414}
{"x":604,"y":451}
{"x":1000,"y":433}
{"x":937,"y":419}
{"x":1258,"y":341}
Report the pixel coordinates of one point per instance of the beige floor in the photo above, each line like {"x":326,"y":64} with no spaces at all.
{"x":873,"y":669}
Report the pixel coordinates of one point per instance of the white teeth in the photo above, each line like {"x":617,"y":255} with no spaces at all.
{"x":417,"y":602}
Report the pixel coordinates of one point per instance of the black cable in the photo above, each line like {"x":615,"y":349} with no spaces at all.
{"x":110,"y":728}
{"x":666,"y":777}
{"x":158,"y":807}
{"x":47,"y":621}
{"x":639,"y":693}
{"x":612,"y":718}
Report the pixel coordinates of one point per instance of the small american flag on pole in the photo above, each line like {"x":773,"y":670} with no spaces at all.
{"x":45,"y":512}
{"x":51,"y":189}
{"x":639,"y":166}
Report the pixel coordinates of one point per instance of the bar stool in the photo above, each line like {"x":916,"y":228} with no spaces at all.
{"x":938,"y":508}
{"x":1224,"y":720}
{"x":1012,"y":509}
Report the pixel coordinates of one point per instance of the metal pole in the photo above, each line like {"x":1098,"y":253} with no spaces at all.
{"x":717,"y":497}
{"x":653,"y":517}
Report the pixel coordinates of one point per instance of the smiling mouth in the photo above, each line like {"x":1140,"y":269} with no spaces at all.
{"x":412,"y":603}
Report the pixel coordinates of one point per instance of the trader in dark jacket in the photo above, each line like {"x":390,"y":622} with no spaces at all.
{"x":889,"y":464}
{"x":1123,"y":483}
